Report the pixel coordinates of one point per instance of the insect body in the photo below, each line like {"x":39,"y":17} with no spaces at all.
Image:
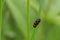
{"x":36,"y":23}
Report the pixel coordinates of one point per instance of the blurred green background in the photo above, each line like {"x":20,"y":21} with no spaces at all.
{"x":17,"y":23}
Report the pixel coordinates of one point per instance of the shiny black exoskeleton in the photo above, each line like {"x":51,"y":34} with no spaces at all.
{"x":36,"y":23}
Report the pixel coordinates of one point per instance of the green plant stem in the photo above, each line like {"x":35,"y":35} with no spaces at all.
{"x":33,"y":34}
{"x":0,"y":17}
{"x":28,"y":19}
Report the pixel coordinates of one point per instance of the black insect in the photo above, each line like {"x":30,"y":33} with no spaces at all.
{"x":36,"y":23}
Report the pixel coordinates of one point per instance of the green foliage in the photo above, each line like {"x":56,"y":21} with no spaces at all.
{"x":18,"y":19}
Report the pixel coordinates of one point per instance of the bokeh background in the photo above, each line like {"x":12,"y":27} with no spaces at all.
{"x":18,"y":22}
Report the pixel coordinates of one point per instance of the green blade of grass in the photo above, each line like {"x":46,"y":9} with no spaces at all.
{"x":0,"y":17}
{"x":28,"y":19}
{"x":18,"y":17}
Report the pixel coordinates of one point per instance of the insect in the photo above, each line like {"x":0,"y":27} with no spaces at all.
{"x":36,"y":23}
